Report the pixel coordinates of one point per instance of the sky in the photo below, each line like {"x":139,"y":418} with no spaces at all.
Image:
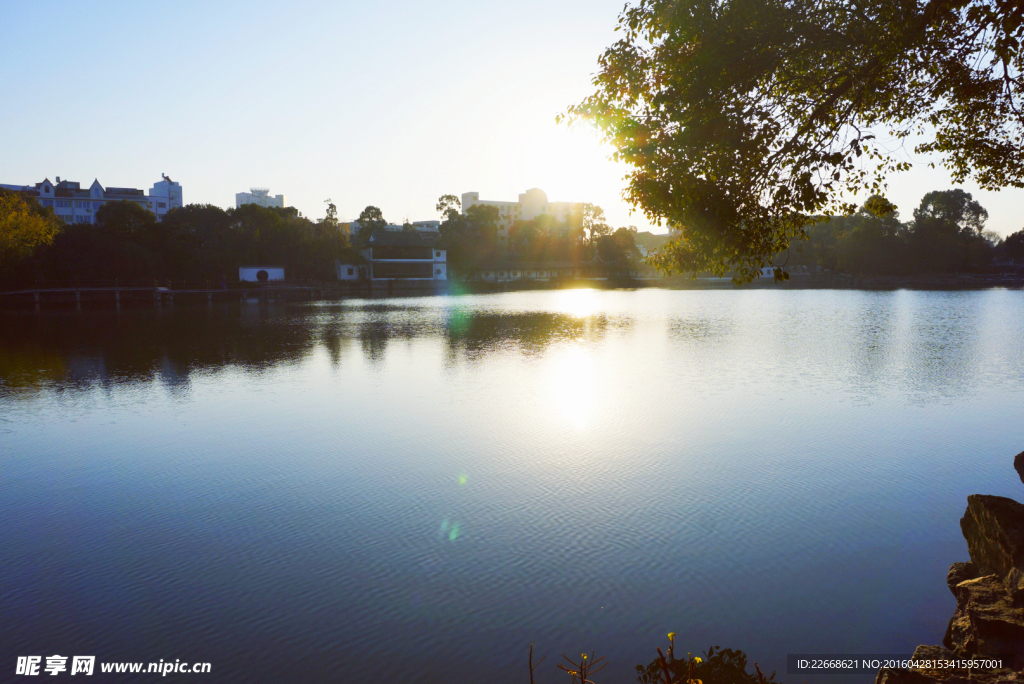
{"x":392,"y":103}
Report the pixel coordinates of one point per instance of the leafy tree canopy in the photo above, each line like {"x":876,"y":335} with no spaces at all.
{"x":744,"y":119}
{"x":484,"y":215}
{"x":24,"y":225}
{"x":370,"y":219}
{"x":588,"y":219}
{"x":331,"y":219}
{"x":126,"y":220}
{"x":448,"y":206}
{"x":953,"y":207}
{"x":1013,"y":247}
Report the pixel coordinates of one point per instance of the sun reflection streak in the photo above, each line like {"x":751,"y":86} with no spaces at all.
{"x":573,"y":389}
{"x":578,"y":302}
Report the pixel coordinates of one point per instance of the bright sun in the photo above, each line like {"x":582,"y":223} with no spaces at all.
{"x":569,"y":164}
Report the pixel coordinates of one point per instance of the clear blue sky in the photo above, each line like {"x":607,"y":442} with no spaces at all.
{"x":391,"y":103}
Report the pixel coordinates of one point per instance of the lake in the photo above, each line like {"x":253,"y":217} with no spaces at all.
{"x":416,"y":489}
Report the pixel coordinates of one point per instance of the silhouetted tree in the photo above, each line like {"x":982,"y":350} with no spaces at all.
{"x":743,"y":120}
{"x":448,"y":206}
{"x":1012,"y":247}
{"x":946,"y":235}
{"x":370,"y":219}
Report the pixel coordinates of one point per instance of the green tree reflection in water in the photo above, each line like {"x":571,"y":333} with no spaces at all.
{"x":65,"y":351}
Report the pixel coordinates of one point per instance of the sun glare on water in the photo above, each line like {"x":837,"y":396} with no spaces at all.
{"x":572,"y":386}
{"x":580,"y":303}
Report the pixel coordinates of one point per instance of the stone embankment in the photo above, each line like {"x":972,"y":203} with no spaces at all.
{"x":989,"y":618}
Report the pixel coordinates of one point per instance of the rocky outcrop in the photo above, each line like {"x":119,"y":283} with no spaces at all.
{"x":994,"y":529}
{"x":959,"y":572}
{"x":986,"y":621}
{"x":1018,"y":465}
{"x":989,"y":591}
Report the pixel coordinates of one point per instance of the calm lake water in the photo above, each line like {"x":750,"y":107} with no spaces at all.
{"x":415,"y":489}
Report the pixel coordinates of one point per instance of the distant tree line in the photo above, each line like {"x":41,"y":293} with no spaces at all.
{"x":202,"y":242}
{"x":195,"y":242}
{"x":946,"y":235}
{"x":582,"y":237}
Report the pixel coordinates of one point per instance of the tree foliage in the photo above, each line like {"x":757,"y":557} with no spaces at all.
{"x":589,"y":220}
{"x":1012,"y":248}
{"x":370,"y":219}
{"x":744,"y":120}
{"x":945,"y":236}
{"x":195,"y":242}
{"x":953,"y":207}
{"x":24,"y":226}
{"x":448,"y":206}
{"x":471,"y":238}
{"x":618,"y":251}
{"x":331,"y":218}
{"x":717,"y":666}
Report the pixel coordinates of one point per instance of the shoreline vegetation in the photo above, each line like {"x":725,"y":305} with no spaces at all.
{"x":716,"y":666}
{"x":945,"y":246}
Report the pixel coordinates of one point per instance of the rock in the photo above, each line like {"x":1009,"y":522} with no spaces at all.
{"x":987,"y":622}
{"x":944,"y":675}
{"x":1018,"y":465}
{"x":960,"y":572}
{"x":994,"y":529}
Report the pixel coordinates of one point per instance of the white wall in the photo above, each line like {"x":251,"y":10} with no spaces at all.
{"x":249,"y":274}
{"x":346,"y":271}
{"x":165,"y":192}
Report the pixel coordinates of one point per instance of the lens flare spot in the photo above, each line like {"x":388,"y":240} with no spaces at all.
{"x":454,"y":534}
{"x":462,"y":479}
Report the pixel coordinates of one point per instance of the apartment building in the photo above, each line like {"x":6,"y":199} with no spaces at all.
{"x":260,"y":196}
{"x":74,"y":204}
{"x":531,"y":204}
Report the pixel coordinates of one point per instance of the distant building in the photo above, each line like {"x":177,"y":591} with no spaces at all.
{"x":72,"y":204}
{"x":510,"y":270}
{"x":260,"y":196}
{"x":648,"y":242}
{"x":164,"y":196}
{"x":431,"y":228}
{"x":531,"y":204}
{"x":404,"y":256}
{"x":260,"y":274}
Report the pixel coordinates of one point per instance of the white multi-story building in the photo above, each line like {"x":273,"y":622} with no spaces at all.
{"x":72,"y":204}
{"x":260,"y":196}
{"x":165,"y":195}
{"x":531,"y":204}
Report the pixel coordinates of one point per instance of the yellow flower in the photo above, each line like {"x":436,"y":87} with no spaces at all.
{"x":698,"y":660}
{"x":671,"y":636}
